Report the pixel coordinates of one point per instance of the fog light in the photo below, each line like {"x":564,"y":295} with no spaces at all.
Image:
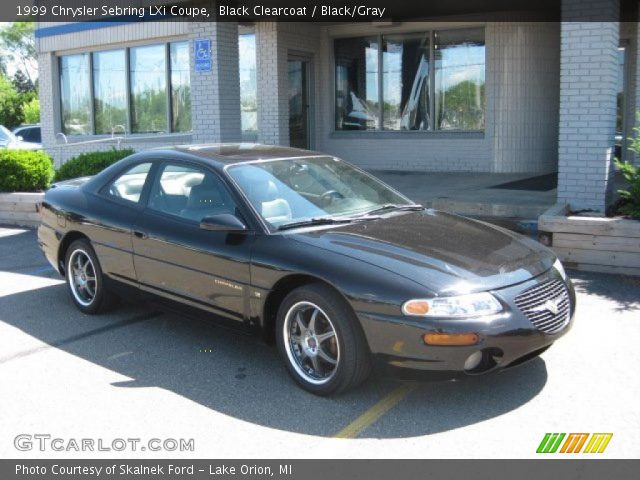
{"x":473,"y":361}
{"x":450,"y":339}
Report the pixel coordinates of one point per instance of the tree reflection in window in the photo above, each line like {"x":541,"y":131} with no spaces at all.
{"x":148,"y":89}
{"x":109,"y":91}
{"x":460,"y":79}
{"x":75,"y":94}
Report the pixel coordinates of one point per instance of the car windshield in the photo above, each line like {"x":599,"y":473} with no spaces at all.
{"x":5,"y":135}
{"x":299,"y":190}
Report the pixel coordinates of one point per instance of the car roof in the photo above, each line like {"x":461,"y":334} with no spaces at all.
{"x":232,"y":153}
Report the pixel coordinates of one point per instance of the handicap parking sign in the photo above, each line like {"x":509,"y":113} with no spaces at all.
{"x":202,"y":55}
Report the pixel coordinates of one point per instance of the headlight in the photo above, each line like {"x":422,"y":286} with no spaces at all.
{"x":471,"y":305}
{"x":558,"y":266}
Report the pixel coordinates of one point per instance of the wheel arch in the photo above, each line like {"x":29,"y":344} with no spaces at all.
{"x":66,"y":241}
{"x":277,"y":294}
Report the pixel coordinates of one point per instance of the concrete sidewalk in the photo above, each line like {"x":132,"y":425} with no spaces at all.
{"x":471,"y":193}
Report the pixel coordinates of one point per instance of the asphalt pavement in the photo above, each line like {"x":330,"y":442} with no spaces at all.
{"x":143,"y":373}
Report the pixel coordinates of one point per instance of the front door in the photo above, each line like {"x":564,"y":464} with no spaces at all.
{"x":299,"y":107}
{"x":177,"y":259}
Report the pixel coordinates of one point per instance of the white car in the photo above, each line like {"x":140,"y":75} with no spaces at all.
{"x":9,"y":140}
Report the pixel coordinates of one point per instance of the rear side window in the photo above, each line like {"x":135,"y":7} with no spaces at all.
{"x":33,"y":135}
{"x":129,"y":185}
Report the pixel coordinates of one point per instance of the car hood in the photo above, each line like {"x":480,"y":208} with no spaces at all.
{"x":445,"y":253}
{"x":21,"y":145}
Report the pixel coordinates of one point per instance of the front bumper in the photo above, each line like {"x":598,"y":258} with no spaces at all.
{"x":505,"y":340}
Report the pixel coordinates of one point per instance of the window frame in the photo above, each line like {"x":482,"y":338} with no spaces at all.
{"x":128,"y":91}
{"x":379,"y":131}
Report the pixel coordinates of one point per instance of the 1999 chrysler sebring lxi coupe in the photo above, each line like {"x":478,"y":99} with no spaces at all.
{"x":343,"y":271}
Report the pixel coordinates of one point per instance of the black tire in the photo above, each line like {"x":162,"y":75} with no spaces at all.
{"x":102,"y":300}
{"x":353,"y":360}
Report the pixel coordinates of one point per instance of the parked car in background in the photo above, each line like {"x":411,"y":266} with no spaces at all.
{"x":335,"y":266}
{"x":29,"y":133}
{"x":9,"y":140}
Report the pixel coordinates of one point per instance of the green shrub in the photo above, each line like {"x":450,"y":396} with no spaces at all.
{"x":631,"y":195}
{"x":91,"y":163}
{"x":630,"y":204}
{"x":24,"y":170}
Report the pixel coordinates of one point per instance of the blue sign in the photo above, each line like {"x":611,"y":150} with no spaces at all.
{"x":202,"y":55}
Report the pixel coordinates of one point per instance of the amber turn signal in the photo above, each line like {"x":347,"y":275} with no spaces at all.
{"x":415,"y":307}
{"x":450,"y":339}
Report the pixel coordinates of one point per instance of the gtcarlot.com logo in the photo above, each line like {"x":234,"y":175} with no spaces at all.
{"x":44,"y":442}
{"x":574,"y":443}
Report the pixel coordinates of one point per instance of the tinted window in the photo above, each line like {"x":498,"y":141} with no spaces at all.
{"x":190,"y":193}
{"x":129,"y":185}
{"x":30,"y":134}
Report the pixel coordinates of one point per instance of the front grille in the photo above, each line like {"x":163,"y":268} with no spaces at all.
{"x":546,"y":306}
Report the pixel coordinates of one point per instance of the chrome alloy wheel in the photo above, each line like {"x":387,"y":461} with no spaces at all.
{"x":82,"y":277}
{"x":311,"y":343}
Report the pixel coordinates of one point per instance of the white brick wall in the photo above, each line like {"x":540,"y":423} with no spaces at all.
{"x":215,"y":95}
{"x":523,"y":77}
{"x":588,"y":88}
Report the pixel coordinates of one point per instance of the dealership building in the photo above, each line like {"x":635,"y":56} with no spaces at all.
{"x":416,"y":95}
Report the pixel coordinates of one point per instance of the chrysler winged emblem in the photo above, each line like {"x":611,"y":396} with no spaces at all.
{"x":549,"y":305}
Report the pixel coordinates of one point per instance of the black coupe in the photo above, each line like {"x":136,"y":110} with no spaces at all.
{"x":301,"y":247}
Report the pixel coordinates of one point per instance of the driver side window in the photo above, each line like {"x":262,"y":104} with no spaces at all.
{"x":129,"y":185}
{"x":190,"y":193}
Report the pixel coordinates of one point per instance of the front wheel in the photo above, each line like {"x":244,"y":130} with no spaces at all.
{"x":321,"y":341}
{"x":85,"y":281}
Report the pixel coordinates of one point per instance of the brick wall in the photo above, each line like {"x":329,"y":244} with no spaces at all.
{"x":588,"y":89}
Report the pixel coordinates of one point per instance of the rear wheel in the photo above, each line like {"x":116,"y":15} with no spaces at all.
{"x":85,"y":280}
{"x":320,"y":340}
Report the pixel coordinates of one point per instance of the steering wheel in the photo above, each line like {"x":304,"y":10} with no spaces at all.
{"x":329,"y":196}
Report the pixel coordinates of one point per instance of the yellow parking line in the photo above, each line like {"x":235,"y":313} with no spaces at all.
{"x":375,"y":412}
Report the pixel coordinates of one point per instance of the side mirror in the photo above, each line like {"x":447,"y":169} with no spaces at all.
{"x":20,"y":138}
{"x":225,"y":222}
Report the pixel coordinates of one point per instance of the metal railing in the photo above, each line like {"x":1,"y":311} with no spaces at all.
{"x":118,"y":139}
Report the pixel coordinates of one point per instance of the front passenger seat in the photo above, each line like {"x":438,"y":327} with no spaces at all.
{"x":204,"y":200}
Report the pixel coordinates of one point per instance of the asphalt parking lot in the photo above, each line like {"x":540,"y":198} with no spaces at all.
{"x":142,"y":373}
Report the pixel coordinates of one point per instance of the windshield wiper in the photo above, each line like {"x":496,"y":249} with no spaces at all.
{"x":315,"y":221}
{"x":396,"y":206}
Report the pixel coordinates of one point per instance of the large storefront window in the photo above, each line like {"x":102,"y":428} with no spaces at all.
{"x":459,"y":66}
{"x":180,"y":87}
{"x":357,"y":72}
{"x":148,"y":89}
{"x":418,"y":81}
{"x":75,"y":94}
{"x":248,"y":85}
{"x":157,"y":97}
{"x":405,"y":82}
{"x":109,"y":91}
